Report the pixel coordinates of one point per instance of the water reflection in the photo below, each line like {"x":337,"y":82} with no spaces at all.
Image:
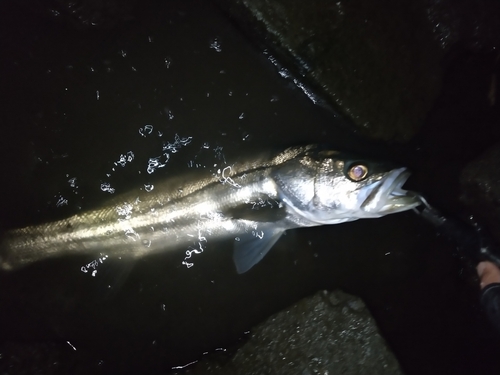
{"x":98,"y":115}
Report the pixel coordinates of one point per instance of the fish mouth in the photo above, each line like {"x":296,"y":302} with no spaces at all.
{"x":389,"y":196}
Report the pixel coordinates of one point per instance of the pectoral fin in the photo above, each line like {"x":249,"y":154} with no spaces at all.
{"x":252,"y":247}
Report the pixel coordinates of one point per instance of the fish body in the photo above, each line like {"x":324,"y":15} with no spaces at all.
{"x":252,"y":203}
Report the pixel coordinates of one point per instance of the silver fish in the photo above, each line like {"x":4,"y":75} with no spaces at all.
{"x":251,"y":203}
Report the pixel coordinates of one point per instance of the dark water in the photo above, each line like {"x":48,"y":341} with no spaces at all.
{"x":89,"y":114}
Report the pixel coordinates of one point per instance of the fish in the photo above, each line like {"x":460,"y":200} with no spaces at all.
{"x":252,"y":203}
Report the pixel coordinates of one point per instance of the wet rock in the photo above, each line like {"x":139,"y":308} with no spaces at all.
{"x":328,"y":333}
{"x":380,"y":63}
{"x":480,"y":182}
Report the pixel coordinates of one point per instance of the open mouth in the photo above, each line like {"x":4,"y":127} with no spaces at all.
{"x":389,"y":196}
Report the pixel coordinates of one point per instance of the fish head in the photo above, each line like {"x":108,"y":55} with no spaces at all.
{"x":327,"y":187}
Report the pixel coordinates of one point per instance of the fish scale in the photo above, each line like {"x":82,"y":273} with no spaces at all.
{"x":252,"y":203}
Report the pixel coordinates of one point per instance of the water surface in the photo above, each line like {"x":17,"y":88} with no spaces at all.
{"x":91,"y":114}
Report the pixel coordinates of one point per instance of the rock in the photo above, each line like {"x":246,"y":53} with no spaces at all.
{"x":328,"y":333}
{"x":479,"y":181}
{"x":379,"y":63}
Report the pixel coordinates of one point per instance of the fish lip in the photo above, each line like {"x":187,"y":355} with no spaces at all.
{"x":389,"y":196}
{"x":398,"y":198}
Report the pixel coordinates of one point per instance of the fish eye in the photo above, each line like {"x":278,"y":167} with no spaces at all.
{"x":357,"y":172}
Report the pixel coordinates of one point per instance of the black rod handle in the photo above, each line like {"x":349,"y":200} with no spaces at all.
{"x":475,"y":242}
